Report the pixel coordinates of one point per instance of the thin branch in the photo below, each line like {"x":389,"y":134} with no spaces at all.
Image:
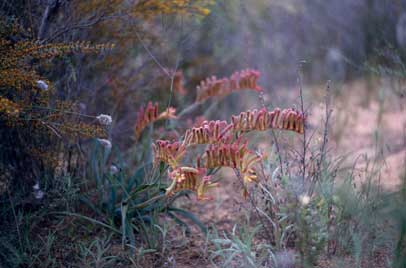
{"x":50,"y":7}
{"x":15,"y":219}
{"x":189,"y":109}
{"x":274,"y":137}
{"x":323,"y":148}
{"x":300,"y":82}
{"x":163,"y":69}
{"x":83,"y":25}
{"x":240,"y":179}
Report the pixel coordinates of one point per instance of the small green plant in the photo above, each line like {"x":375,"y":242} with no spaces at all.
{"x":130,"y":204}
{"x":96,"y":253}
{"x":239,"y":247}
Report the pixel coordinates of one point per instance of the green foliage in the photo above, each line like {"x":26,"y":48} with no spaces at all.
{"x":96,"y":254}
{"x":131,"y":203}
{"x":239,"y":247}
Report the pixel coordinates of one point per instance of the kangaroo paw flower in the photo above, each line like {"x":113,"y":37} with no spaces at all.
{"x":214,"y":87}
{"x":188,"y":178}
{"x":261,"y":120}
{"x":168,"y":152}
{"x":148,"y":115}
{"x":210,"y":132}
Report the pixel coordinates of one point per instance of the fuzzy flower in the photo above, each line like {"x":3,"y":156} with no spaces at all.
{"x":168,"y":152}
{"x":234,"y":155}
{"x":36,"y":187}
{"x":104,"y":119}
{"x":148,"y":115}
{"x":287,"y":119}
{"x":114,"y":169}
{"x":38,"y":193}
{"x":188,"y":178}
{"x":245,"y":79}
{"x":42,"y":85}
{"x":210,"y":132}
{"x":304,"y":199}
{"x":105,"y":143}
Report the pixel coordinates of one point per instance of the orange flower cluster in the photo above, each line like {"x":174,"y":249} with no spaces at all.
{"x":210,"y":132}
{"x":246,"y":79}
{"x":235,"y":155}
{"x":187,"y":178}
{"x":221,"y":151}
{"x":168,"y":152}
{"x":287,"y":119}
{"x":148,"y":115}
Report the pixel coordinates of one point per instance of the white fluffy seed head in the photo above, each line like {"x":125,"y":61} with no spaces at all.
{"x":42,"y":85}
{"x":114,"y":170}
{"x":304,"y":199}
{"x":104,"y":119}
{"x":38,"y":193}
{"x":36,"y":187}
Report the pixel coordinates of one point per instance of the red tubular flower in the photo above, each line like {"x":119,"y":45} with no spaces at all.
{"x":210,"y":132}
{"x":287,"y":119}
{"x":148,"y":115}
{"x":168,"y":152}
{"x":178,"y":82}
{"x":234,"y":155}
{"x":246,"y":79}
{"x":188,"y":178}
{"x":211,"y":87}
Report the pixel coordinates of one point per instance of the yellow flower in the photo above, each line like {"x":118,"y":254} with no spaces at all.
{"x":188,"y":178}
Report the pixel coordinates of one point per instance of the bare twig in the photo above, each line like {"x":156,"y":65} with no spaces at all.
{"x":173,"y":74}
{"x":252,"y":201}
{"x":323,"y":147}
{"x":163,"y":69}
{"x":300,"y":82}
{"x":15,"y":219}
{"x":189,"y":109}
{"x":274,"y":137}
{"x":50,"y":7}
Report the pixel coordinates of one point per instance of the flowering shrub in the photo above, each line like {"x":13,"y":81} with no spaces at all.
{"x":33,"y":120}
{"x":226,"y":146}
{"x":287,"y":119}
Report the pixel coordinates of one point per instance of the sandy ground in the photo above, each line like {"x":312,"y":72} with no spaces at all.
{"x":374,"y":129}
